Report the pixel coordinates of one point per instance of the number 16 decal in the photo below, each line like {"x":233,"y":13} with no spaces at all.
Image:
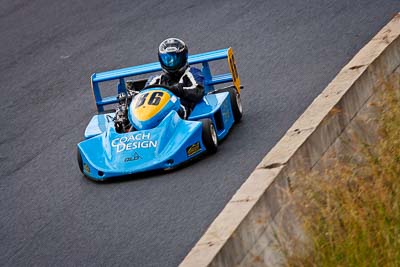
{"x":154,"y":100}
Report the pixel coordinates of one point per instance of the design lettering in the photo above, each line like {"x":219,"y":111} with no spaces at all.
{"x":134,"y":141}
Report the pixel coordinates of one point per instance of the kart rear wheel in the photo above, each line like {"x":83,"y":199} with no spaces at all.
{"x":236,"y":103}
{"x":209,"y":136}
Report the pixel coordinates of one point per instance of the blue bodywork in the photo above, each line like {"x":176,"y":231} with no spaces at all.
{"x":164,"y":144}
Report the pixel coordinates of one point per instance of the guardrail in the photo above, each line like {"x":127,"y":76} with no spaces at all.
{"x":246,"y":225}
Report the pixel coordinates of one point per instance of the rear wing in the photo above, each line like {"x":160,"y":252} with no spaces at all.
{"x":204,"y":58}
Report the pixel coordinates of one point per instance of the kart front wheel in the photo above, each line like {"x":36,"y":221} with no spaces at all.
{"x":209,"y":136}
{"x":79,"y":158}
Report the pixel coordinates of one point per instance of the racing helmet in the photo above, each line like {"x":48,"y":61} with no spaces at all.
{"x":173,"y":55}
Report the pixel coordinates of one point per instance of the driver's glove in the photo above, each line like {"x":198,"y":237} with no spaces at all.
{"x":177,"y":90}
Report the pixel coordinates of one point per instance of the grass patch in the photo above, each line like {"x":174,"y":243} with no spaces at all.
{"x":351,"y":212}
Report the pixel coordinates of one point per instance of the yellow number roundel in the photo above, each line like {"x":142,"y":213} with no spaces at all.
{"x":147,"y":104}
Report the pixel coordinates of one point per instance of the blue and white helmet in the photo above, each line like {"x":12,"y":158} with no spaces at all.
{"x":173,"y":55}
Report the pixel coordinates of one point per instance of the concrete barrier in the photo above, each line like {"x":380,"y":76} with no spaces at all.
{"x":244,"y":232}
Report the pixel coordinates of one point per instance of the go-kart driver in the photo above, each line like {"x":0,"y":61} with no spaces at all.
{"x":183,"y":81}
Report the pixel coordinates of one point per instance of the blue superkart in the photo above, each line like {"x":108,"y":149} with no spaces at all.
{"x":161,"y":139}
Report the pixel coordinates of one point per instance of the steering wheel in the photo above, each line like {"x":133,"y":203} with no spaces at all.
{"x":170,"y":89}
{"x":158,"y":85}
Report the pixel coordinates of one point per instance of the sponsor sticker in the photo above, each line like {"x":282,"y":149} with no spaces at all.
{"x":226,"y":113}
{"x":193,"y":149}
{"x":135,"y":156}
{"x":86,"y":168}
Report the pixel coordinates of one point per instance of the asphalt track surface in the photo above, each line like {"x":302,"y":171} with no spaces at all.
{"x":286,"y":52}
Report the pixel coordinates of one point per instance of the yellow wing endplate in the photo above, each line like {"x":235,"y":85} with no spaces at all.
{"x":233,"y":69}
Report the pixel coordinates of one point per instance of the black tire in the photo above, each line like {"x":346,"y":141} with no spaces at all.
{"x":79,"y":158}
{"x":209,"y":136}
{"x":235,"y":102}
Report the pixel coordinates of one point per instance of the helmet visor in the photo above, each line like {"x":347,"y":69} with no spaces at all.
{"x":173,"y":60}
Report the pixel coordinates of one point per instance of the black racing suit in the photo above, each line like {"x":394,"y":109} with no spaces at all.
{"x":187,"y":86}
